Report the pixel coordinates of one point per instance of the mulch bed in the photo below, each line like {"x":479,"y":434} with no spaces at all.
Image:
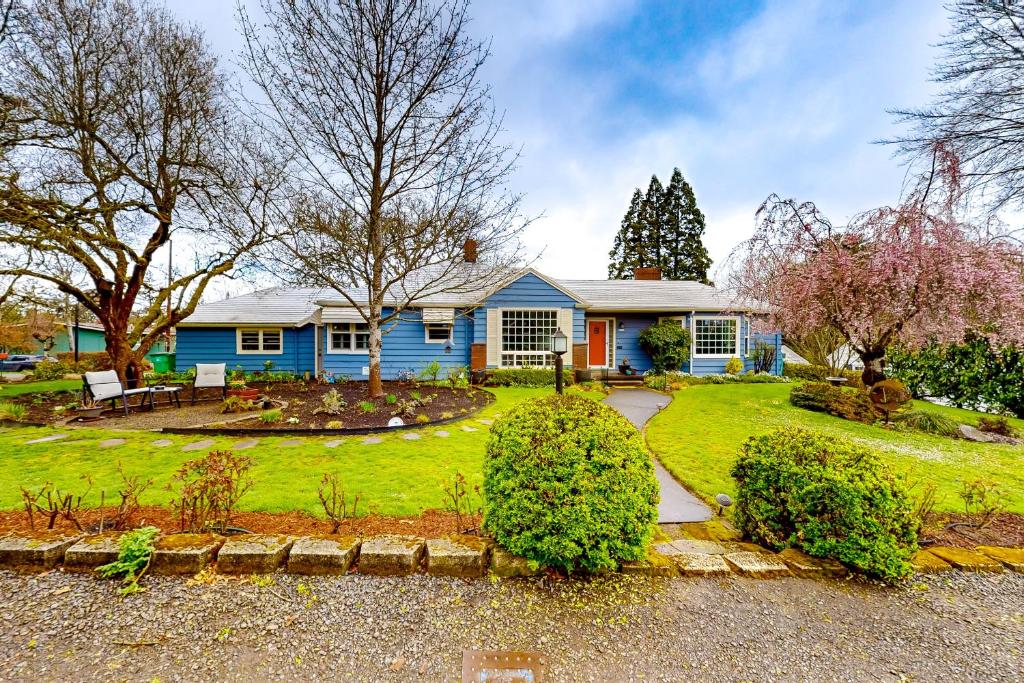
{"x":40,"y":407}
{"x":405,"y":400}
{"x":961,"y":531}
{"x":431,"y":524}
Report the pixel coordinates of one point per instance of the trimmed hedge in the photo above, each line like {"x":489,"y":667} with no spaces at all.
{"x":797,"y":488}
{"x":818,"y":373}
{"x":569,"y":484}
{"x":849,"y":404}
{"x":525,"y":377}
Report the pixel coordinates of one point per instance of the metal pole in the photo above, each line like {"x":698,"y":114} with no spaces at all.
{"x":558,"y":373}
{"x":76,"y":336}
{"x":170,"y":266}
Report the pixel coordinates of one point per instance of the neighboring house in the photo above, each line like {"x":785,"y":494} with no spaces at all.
{"x":90,"y":339}
{"x":791,"y":356}
{"x":510,"y":325}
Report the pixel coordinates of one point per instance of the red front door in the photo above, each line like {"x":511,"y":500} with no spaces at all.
{"x":598,"y":356}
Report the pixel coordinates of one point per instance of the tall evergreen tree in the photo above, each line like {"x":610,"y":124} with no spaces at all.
{"x":684,"y":256}
{"x":625,"y":253}
{"x":662,"y":228}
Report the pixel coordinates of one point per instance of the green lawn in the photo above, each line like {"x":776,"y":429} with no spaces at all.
{"x":20,"y":388}
{"x":699,"y":434}
{"x":395,"y":477}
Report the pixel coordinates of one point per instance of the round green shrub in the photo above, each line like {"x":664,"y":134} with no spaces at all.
{"x":667,"y":343}
{"x":46,"y":371}
{"x":569,"y":484}
{"x":797,"y":488}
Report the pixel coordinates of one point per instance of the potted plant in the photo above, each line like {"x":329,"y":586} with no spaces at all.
{"x":89,"y":409}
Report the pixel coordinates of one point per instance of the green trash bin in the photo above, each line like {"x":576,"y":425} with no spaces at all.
{"x":163,"y":362}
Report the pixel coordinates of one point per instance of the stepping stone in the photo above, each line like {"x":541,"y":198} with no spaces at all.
{"x":291,"y":442}
{"x":185,"y":553}
{"x":506,"y":565}
{"x":411,"y":436}
{"x":485,"y":421}
{"x":93,"y":551}
{"x":110,"y":443}
{"x":47,"y":439}
{"x":926,"y":563}
{"x":161,"y":443}
{"x":803,"y":564}
{"x":464,"y":556}
{"x":441,"y":433}
{"x":655,"y":564}
{"x":757,"y":565}
{"x":1012,"y":558}
{"x":372,"y":440}
{"x":245,"y":444}
{"x":966,"y":560}
{"x":253,"y":553}
{"x":467,"y":428}
{"x":323,"y":555}
{"x":35,"y":553}
{"x":391,"y":555}
{"x":333,"y":443}
{"x":701,"y":564}
{"x":691,"y":546}
{"x":198,"y":445}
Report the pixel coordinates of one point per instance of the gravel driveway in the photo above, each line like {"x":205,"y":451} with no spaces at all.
{"x":951,"y":627}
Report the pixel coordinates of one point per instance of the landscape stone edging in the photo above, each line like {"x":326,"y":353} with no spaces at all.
{"x":456,"y":556}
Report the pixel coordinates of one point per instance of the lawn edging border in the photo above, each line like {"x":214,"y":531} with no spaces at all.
{"x":356,"y":431}
{"x":467,"y":557}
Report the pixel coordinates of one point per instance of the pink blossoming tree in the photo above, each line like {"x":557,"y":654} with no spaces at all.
{"x":906,"y":274}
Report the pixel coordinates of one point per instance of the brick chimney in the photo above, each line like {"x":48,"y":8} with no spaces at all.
{"x":469,"y":251}
{"x":647,"y":273}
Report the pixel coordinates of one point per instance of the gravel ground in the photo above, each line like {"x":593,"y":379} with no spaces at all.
{"x":74,"y":627}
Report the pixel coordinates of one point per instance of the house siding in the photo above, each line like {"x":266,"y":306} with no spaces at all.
{"x":218,"y":345}
{"x":404,"y":348}
{"x":529,"y":291}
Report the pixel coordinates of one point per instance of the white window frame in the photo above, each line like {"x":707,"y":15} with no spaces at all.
{"x":546,"y":357}
{"x":718,"y":318}
{"x":426,"y":333}
{"x":261,"y":351}
{"x":351,"y":331}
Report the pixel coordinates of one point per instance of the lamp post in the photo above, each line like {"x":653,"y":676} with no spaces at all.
{"x":559,"y":345}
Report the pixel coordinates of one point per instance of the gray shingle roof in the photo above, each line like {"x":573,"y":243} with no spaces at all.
{"x":651,"y":295}
{"x":297,"y":306}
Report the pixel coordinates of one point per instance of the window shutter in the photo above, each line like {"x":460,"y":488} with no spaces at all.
{"x":493,"y":337}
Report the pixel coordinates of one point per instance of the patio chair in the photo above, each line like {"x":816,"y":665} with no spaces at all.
{"x":105,"y":386}
{"x":210,"y":376}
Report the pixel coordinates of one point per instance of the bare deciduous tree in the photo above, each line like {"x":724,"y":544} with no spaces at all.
{"x":979,"y":113}
{"x":397,"y":159}
{"x":122,"y":135}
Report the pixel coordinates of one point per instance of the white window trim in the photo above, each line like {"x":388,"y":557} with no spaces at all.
{"x":693,"y":336}
{"x":344,"y":352}
{"x":501,"y":338}
{"x":426,"y":333}
{"x":261,"y":351}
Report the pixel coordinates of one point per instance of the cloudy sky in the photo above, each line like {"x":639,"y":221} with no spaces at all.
{"x":746,"y":97}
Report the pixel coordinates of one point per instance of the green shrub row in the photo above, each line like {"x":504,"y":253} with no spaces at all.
{"x":675,"y":380}
{"x":818,"y":373}
{"x":525,"y":377}
{"x":827,"y":497}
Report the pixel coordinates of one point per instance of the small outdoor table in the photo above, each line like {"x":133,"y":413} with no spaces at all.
{"x":173,"y":395}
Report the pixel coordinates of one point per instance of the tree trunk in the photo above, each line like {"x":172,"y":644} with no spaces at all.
{"x":874,"y":367}
{"x":375,"y":387}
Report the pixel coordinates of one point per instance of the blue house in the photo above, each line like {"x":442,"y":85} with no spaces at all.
{"x":506,"y":325}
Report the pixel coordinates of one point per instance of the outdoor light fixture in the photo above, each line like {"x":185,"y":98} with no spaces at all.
{"x":448,"y":346}
{"x":622,"y":326}
{"x":559,"y":345}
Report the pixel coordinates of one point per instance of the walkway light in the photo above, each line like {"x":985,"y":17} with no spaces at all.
{"x":559,"y":345}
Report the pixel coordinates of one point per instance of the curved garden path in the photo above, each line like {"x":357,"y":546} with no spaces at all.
{"x":677,"y":504}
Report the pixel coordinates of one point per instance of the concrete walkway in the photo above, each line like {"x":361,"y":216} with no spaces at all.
{"x":677,"y":504}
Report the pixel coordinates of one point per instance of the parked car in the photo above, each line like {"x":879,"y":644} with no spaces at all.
{"x":22,"y":362}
